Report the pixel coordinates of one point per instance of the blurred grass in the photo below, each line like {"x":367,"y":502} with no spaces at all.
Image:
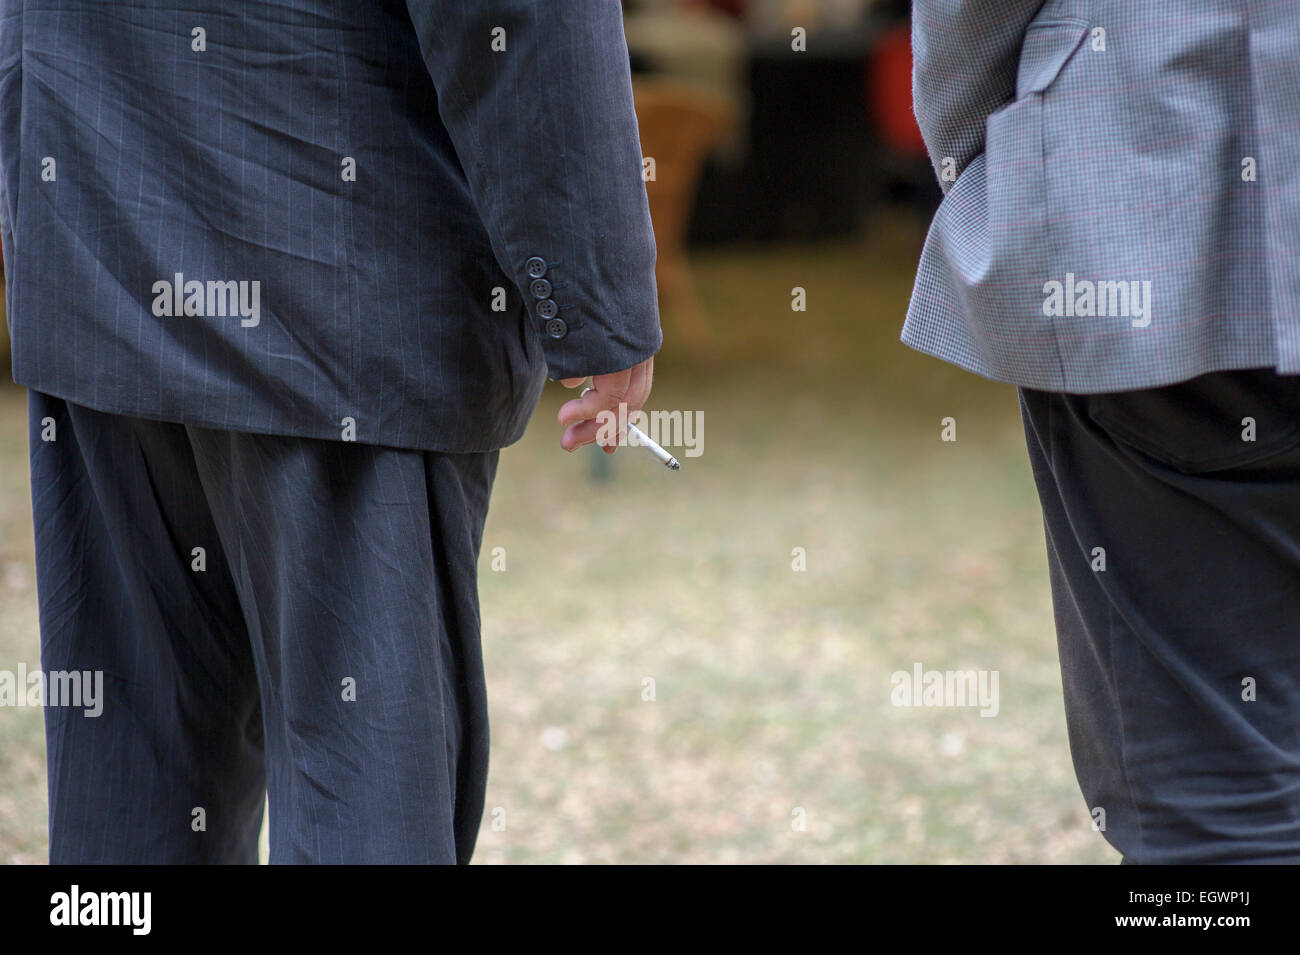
{"x":22,"y":744}
{"x":771,"y":686}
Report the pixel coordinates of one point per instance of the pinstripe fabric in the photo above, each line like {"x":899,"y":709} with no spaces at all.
{"x":1108,"y":141}
{"x":324,"y":562}
{"x":401,"y":300}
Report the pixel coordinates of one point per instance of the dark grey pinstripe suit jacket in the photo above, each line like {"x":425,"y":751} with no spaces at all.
{"x":496,"y":225}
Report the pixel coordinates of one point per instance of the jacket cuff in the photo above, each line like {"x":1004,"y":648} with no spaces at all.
{"x":588,"y":333}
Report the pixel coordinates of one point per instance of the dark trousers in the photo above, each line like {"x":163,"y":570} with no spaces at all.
{"x":274,"y":617}
{"x":1173,"y":535}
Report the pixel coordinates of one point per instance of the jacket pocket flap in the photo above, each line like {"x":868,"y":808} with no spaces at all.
{"x":1047,"y":48}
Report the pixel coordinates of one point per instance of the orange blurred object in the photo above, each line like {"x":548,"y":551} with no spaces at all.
{"x":889,"y":91}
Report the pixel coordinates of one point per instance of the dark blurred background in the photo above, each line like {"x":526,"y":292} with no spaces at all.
{"x":695,"y":666}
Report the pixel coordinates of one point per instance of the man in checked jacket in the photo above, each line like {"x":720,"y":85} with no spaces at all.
{"x":1120,"y":238}
{"x":283,"y":277}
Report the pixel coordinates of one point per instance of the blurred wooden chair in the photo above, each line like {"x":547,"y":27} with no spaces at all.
{"x":679,"y":123}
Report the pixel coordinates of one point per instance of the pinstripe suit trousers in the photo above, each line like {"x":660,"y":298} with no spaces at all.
{"x":273,"y":616}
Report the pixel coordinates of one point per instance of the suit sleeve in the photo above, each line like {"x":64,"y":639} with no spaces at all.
{"x":965,"y":54}
{"x":537,"y":98}
{"x":11,"y":92}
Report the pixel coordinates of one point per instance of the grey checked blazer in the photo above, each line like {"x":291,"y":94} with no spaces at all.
{"x":394,"y":213}
{"x":1098,"y":151}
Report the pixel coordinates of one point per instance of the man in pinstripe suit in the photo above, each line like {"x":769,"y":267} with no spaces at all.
{"x":1119,"y":238}
{"x":283,"y":278}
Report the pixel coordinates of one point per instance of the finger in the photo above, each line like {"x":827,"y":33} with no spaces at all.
{"x":639,"y":390}
{"x":572,"y":382}
{"x":615,"y":384}
{"x":588,"y":406}
{"x":593,"y":402}
{"x":581,"y":433}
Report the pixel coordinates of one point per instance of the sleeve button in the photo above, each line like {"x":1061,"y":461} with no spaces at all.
{"x":541,"y":288}
{"x":548,"y":309}
{"x":557,"y":328}
{"x":536,"y":267}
